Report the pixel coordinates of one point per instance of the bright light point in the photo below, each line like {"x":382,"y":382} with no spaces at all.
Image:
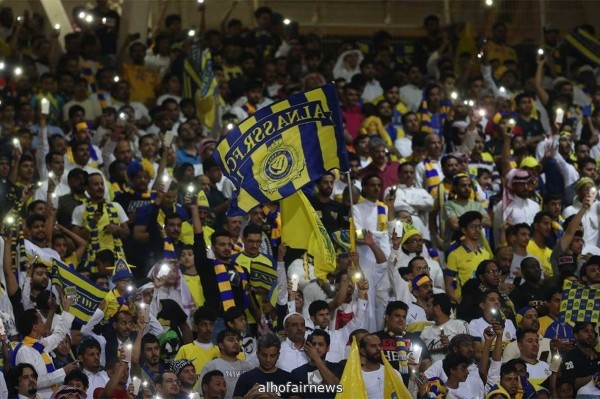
{"x":191,"y":188}
{"x":489,"y":3}
{"x":130,"y":288}
{"x":81,"y":15}
{"x":2,"y":65}
{"x":104,"y":21}
{"x":53,"y":195}
{"x":15,"y":141}
{"x":229,"y":126}
{"x":479,"y":55}
{"x":471,"y":103}
{"x":482,"y":112}
{"x":89,"y":18}
{"x":18,"y":71}
{"x":191,"y":33}
{"x":116,"y":79}
{"x":165,"y":178}
{"x":454,"y":95}
{"x":294,"y":276}
{"x":287,"y":21}
{"x":511,"y":122}
{"x":10,"y":220}
{"x":540,"y":51}
{"x":357,"y":275}
{"x":57,"y":26}
{"x":502,"y":89}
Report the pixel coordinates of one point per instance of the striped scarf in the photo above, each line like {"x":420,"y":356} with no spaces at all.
{"x":249,"y":109}
{"x":237,"y":247}
{"x":102,"y":100}
{"x":94,"y":242}
{"x":224,"y":284}
{"x":403,"y":348}
{"x":382,"y":216}
{"x":427,"y":116}
{"x":87,"y":71}
{"x":432,"y":176}
{"x":38,"y":346}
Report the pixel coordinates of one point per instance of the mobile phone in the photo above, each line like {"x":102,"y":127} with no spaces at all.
{"x":166,"y":183}
{"x":560,"y":115}
{"x":416,"y":351}
{"x":71,"y":293}
{"x":17,"y":144}
{"x":2,"y":329}
{"x":45,"y":106}
{"x":144,"y":312}
{"x":169,"y":136}
{"x":555,"y":362}
{"x":127,"y":349}
{"x":541,"y":54}
{"x":295,"y":281}
{"x":497,"y":315}
{"x":136,"y":385}
{"x":163,"y":271}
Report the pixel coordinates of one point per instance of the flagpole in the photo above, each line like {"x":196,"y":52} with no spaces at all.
{"x":352,"y":230}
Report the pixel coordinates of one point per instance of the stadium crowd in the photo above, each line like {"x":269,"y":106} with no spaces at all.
{"x":473,"y":188}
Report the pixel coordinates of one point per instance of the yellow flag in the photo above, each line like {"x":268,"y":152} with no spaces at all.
{"x":393,"y":386}
{"x":302,"y":228}
{"x":352,"y":379}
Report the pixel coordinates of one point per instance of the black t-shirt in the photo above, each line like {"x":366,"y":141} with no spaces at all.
{"x":529,"y":129}
{"x":395,"y":357}
{"x":257,"y":376}
{"x":309,"y":375}
{"x":577,"y":364}
{"x":328,"y":213}
{"x":527,"y":295}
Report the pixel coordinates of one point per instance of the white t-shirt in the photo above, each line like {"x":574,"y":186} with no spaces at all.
{"x":472,"y":388}
{"x":589,"y":390}
{"x":478,"y":326}
{"x":374,"y":381}
{"x":431,"y":336}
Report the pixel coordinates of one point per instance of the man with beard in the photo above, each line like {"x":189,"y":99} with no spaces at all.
{"x":228,"y":364}
{"x":327,"y":209}
{"x":380,"y":166}
{"x":150,"y":364}
{"x":186,"y":373}
{"x":422,"y":289}
{"x":394,"y":334}
{"x":38,"y":283}
{"x":77,"y":181}
{"x":102,"y":223}
{"x":292,"y":353}
{"x":269,"y":346}
{"x":234,"y":226}
{"x":24,"y":381}
{"x":213,"y":385}
{"x":531,"y":292}
{"x":372,"y":370}
{"x":318,"y":371}
{"x":583,"y":361}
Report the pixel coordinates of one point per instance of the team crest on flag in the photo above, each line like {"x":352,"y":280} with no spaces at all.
{"x":579,"y":303}
{"x":283,"y":147}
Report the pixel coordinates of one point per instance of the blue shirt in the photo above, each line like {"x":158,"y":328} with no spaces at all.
{"x":184,"y":157}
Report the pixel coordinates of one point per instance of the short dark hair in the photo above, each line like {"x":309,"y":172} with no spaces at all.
{"x":467,"y":218}
{"x":160,"y":377}
{"x":31,"y":219}
{"x":581,"y":325}
{"x":412,"y":262}
{"x":233,"y":313}
{"x":77,"y":375}
{"x":217,"y":234}
{"x":204,"y":313}
{"x":317,"y":306}
{"x":443,"y":301}
{"x":208,"y":376}
{"x":395,"y":305}
{"x":452,"y":361}
{"x":540,"y":215}
{"x":26,"y":320}
{"x":521,"y":332}
{"x":319,"y":333}
{"x":149,"y":339}
{"x":487,"y":293}
{"x":228,"y":332}
{"x":251,"y":229}
{"x":88,"y":343}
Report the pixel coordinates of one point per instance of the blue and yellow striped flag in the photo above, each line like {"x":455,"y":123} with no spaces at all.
{"x":584,"y":44}
{"x":302,"y":228}
{"x":198,"y":74}
{"x":283,"y":147}
{"x":88,"y":295}
{"x":579,"y":303}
